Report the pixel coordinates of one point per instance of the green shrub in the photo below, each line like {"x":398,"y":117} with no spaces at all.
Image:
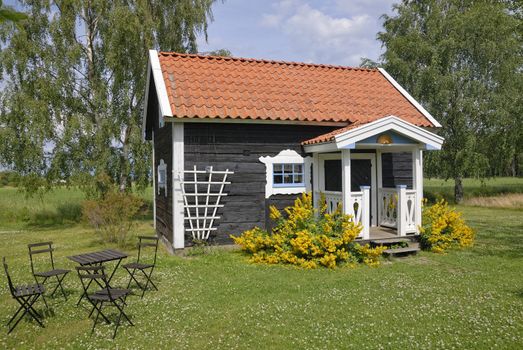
{"x":309,"y":238}
{"x":70,"y":212}
{"x":443,"y":228}
{"x":112,"y":216}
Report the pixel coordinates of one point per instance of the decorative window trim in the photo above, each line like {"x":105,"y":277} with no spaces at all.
{"x":286,"y":157}
{"x":162,"y":180}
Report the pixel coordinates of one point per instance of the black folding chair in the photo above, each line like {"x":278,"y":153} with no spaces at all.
{"x":59,"y":274}
{"x":106,"y":296}
{"x":26,"y":296}
{"x":146,"y":268}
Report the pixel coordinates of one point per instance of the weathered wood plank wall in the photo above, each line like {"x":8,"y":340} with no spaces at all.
{"x":238,"y":147}
{"x":397,"y":169}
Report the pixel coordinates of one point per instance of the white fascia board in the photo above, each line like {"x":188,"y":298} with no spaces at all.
{"x":321,"y":147}
{"x":409,"y":97}
{"x":146,"y":99}
{"x":385,"y":124}
{"x":161,"y":90}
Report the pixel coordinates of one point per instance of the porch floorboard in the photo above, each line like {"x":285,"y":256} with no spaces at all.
{"x":378,"y":232}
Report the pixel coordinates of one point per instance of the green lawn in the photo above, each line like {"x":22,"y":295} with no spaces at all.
{"x":465,"y":299}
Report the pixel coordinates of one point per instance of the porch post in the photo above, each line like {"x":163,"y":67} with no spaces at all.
{"x":178,"y":223}
{"x":345,"y":181}
{"x":379,"y":181}
{"x":154,"y":181}
{"x":316,"y":179}
{"x":401,"y":219}
{"x":365,"y":212}
{"x":417,"y":183}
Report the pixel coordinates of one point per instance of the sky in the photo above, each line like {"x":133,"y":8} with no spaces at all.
{"x":338,"y":32}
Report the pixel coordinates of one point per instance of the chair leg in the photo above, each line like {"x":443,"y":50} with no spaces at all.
{"x":45,"y":302}
{"x":59,"y":284}
{"x":133,"y":278}
{"x":117,"y":324}
{"x":148,"y":278}
{"x":16,"y":314}
{"x":123,"y":313}
{"x":27,"y":305}
{"x":96,"y":318}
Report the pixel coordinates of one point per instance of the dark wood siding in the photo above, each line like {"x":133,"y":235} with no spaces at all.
{"x":396,"y":169}
{"x":238,"y":147}
{"x":164,"y":210}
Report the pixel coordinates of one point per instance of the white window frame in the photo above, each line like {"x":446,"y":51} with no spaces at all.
{"x":286,"y":157}
{"x":162,"y":167}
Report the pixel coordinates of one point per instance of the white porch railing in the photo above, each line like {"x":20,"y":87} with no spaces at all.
{"x":332,"y":200}
{"x":356,"y":208}
{"x":398,"y":203}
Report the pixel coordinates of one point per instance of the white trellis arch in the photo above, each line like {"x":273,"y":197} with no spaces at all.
{"x":202,"y":193}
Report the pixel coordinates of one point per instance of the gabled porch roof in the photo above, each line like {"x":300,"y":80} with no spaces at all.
{"x":360,"y":135}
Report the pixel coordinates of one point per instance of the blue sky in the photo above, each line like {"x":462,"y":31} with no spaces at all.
{"x":320,"y":31}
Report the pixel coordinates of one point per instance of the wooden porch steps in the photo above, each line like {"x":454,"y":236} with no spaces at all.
{"x":390,"y":241}
{"x":398,"y":246}
{"x":395,"y":252}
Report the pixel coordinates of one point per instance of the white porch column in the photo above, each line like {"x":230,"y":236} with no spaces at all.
{"x":365,"y":212}
{"x":345,"y":180}
{"x":417,"y":183}
{"x":154,"y":183}
{"x":177,"y":177}
{"x":379,"y":181}
{"x":316,"y":179}
{"x":401,"y":219}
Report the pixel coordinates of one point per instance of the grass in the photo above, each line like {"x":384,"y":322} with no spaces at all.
{"x":438,"y":188}
{"x":509,"y":200}
{"x":61,"y":206}
{"x":465,"y":299}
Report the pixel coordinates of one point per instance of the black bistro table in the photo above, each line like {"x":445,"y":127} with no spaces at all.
{"x":99,"y":258}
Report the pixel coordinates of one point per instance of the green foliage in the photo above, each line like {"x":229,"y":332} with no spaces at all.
{"x":8,"y":14}
{"x":436,"y":189}
{"x":443,"y":228}
{"x":74,"y":83}
{"x":219,"y":52}
{"x":462,"y":60}
{"x":308,"y":238}
{"x":60,"y":207}
{"x":9,"y":178}
{"x":112,"y":216}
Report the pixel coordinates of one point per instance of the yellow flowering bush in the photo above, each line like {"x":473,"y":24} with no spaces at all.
{"x":308,"y":237}
{"x":443,"y":227}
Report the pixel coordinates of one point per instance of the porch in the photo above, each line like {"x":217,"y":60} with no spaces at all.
{"x":374,"y":172}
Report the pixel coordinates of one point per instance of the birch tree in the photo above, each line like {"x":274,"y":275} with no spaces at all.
{"x":462,"y":59}
{"x":74,"y":80}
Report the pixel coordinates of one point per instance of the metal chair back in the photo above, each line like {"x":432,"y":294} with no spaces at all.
{"x":89,"y":274}
{"x":9,"y":281}
{"x":40,"y":248}
{"x":147,"y":243}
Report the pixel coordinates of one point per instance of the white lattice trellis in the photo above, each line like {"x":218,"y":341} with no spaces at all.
{"x":201,"y":204}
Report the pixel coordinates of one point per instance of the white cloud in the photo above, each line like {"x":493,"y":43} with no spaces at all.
{"x":321,"y":37}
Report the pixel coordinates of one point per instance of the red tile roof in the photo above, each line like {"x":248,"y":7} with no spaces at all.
{"x":331,"y":135}
{"x":238,"y":88}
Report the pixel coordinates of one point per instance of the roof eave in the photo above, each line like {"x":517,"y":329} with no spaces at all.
{"x":411,"y":99}
{"x":154,"y":71}
{"x":349,"y":138}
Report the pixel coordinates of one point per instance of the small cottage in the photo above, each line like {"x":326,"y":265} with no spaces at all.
{"x":232,"y":136}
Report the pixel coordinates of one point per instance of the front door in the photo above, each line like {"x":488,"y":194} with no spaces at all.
{"x":361,"y":175}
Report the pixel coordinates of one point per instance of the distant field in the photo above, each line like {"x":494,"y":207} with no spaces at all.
{"x":63,"y":205}
{"x":438,"y":188}
{"x":60,"y":206}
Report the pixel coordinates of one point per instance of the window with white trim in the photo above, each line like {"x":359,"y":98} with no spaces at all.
{"x":162,"y":177}
{"x":287,"y":174}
